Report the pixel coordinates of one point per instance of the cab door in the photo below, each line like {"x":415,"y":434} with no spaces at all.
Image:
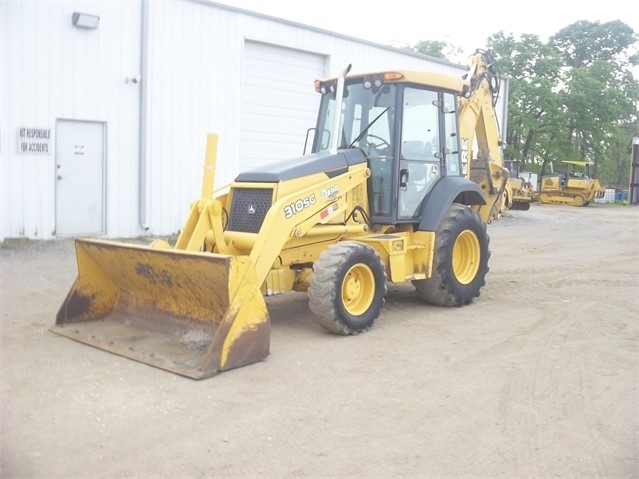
{"x":419,"y":164}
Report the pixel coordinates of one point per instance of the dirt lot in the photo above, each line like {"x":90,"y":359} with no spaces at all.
{"x":537,"y":378}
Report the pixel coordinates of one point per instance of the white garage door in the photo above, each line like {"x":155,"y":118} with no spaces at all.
{"x":279,"y":102}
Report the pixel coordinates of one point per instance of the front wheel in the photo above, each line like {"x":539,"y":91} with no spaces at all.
{"x":347,"y":288}
{"x":461,"y":257}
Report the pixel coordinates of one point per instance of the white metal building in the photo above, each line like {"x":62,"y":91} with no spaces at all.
{"x":105,"y":106}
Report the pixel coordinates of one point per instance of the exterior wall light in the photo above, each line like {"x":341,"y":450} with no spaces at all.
{"x":85,"y":20}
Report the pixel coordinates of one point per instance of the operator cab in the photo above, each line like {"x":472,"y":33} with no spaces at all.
{"x":407,"y":131}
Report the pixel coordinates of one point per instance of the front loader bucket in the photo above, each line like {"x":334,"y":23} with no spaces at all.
{"x":190,"y":313}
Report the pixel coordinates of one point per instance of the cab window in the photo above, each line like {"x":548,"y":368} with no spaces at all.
{"x":451,"y":136}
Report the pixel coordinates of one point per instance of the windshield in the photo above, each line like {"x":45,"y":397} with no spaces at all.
{"x":367,"y":117}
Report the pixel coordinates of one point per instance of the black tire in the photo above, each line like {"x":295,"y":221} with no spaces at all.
{"x":461,"y":258}
{"x":347,"y":288}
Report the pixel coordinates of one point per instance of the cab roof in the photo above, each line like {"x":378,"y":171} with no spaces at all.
{"x":578,"y":162}
{"x":434,"y":79}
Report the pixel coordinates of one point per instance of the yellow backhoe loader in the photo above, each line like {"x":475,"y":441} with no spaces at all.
{"x":383,"y":196}
{"x":573,"y":187}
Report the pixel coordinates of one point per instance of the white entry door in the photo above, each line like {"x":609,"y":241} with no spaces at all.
{"x":80,"y":191}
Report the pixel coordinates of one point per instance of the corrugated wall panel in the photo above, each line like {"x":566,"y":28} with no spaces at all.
{"x":194,"y":76}
{"x":195,"y":87}
{"x":53,"y":70}
{"x":193,"y":83}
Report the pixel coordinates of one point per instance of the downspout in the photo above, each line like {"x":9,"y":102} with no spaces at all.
{"x":143,"y":203}
{"x":504,"y":120}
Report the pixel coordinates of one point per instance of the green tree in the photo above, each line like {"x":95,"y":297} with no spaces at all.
{"x":533,"y":125}
{"x":434,"y":48}
{"x":583,"y":43}
{"x":573,"y":97}
{"x":599,"y":93}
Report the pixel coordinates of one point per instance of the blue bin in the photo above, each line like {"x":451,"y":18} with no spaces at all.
{"x":621,"y":196}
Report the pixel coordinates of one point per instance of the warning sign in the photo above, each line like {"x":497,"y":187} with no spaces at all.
{"x":34,"y":141}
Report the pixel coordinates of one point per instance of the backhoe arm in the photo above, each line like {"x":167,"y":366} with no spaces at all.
{"x":478,"y":122}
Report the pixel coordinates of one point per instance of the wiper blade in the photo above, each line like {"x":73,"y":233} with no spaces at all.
{"x":363,"y":132}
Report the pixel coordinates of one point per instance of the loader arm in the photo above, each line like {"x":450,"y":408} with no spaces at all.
{"x":205,"y":216}
{"x":280,"y":226}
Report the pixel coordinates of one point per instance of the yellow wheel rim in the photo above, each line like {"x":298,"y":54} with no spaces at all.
{"x":466,"y":257}
{"x":358,"y":289}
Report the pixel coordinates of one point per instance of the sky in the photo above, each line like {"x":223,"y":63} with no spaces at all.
{"x":462,"y":23}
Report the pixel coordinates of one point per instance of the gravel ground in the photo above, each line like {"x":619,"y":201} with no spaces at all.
{"x":537,"y":378}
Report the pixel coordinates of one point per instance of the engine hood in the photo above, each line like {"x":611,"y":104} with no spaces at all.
{"x":331,"y":164}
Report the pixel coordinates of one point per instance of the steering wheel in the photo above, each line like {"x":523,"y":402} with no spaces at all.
{"x":383,"y":143}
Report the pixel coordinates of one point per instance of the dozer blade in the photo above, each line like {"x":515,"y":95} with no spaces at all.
{"x":520,"y":205}
{"x":190,"y":313}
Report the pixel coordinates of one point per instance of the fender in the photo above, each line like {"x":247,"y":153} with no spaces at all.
{"x":446,"y":191}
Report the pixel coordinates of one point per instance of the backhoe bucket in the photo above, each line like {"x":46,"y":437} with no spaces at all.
{"x":187,"y":312}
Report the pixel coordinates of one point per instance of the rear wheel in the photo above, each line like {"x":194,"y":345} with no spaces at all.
{"x":461,"y":257}
{"x":347,"y":288}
